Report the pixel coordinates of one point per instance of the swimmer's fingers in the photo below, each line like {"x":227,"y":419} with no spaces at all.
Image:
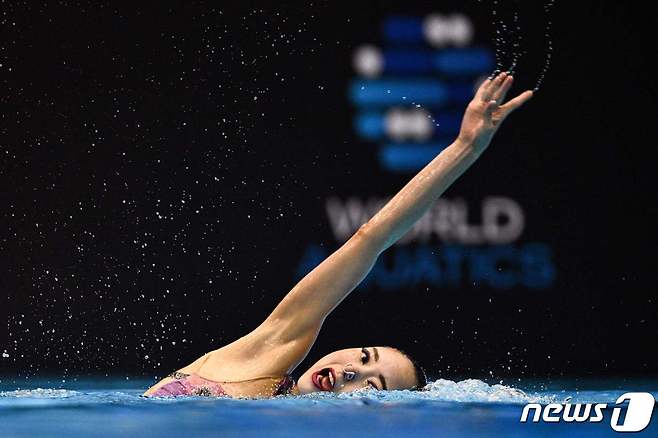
{"x":481,"y":93}
{"x":493,"y":86}
{"x":501,"y":92}
{"x":516,"y":102}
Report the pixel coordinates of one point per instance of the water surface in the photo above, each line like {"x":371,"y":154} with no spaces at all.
{"x":471,"y":408}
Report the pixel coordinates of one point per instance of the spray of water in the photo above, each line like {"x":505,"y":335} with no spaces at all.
{"x":548,"y":7}
{"x":517,"y":36}
{"x":509,"y":38}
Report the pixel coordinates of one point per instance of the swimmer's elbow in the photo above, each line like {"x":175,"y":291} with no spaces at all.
{"x":364,"y":231}
{"x":369,"y":236}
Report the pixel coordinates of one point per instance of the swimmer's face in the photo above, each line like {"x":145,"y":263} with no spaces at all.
{"x":352,"y":369}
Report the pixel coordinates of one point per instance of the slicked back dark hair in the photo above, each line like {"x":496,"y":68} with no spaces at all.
{"x":419,"y":371}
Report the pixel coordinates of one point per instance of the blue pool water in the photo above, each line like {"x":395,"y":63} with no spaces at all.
{"x":472,"y":408}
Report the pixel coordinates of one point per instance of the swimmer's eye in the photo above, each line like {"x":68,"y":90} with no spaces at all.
{"x":372,"y":386}
{"x":366,"y":356}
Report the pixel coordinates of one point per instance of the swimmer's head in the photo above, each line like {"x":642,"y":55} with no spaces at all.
{"x":351,"y":369}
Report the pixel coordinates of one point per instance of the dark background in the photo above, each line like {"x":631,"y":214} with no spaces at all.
{"x":112,"y":116}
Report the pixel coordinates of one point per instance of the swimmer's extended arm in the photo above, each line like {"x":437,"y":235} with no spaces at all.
{"x":296,"y":321}
{"x":482,"y":119}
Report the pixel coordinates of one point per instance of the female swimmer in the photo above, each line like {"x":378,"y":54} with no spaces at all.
{"x":259,"y":364}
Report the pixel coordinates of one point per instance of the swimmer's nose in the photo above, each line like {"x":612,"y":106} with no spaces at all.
{"x":348,"y":375}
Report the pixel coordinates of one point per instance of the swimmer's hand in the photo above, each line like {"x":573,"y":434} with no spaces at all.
{"x":486,"y":112}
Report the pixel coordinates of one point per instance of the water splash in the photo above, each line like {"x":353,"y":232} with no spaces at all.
{"x":507,"y":35}
{"x":444,"y":408}
{"x":442,"y":390}
{"x":516,"y":33}
{"x":438,"y":392}
{"x":499,"y":41}
{"x":39,"y":393}
{"x":548,"y":7}
{"x":473,"y":390}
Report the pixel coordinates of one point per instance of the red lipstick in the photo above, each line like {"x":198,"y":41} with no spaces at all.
{"x":324,"y":379}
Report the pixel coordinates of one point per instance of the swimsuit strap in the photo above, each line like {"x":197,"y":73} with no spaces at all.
{"x":285,"y":383}
{"x":245,"y":380}
{"x":178,"y":375}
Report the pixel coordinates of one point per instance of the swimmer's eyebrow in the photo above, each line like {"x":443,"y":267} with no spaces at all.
{"x":376,"y":353}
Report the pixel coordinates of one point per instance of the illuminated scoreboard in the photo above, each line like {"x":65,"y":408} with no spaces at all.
{"x":410,"y":95}
{"x":411,"y":92}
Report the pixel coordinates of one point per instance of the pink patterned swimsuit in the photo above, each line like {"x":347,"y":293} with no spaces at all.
{"x":192,"y":384}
